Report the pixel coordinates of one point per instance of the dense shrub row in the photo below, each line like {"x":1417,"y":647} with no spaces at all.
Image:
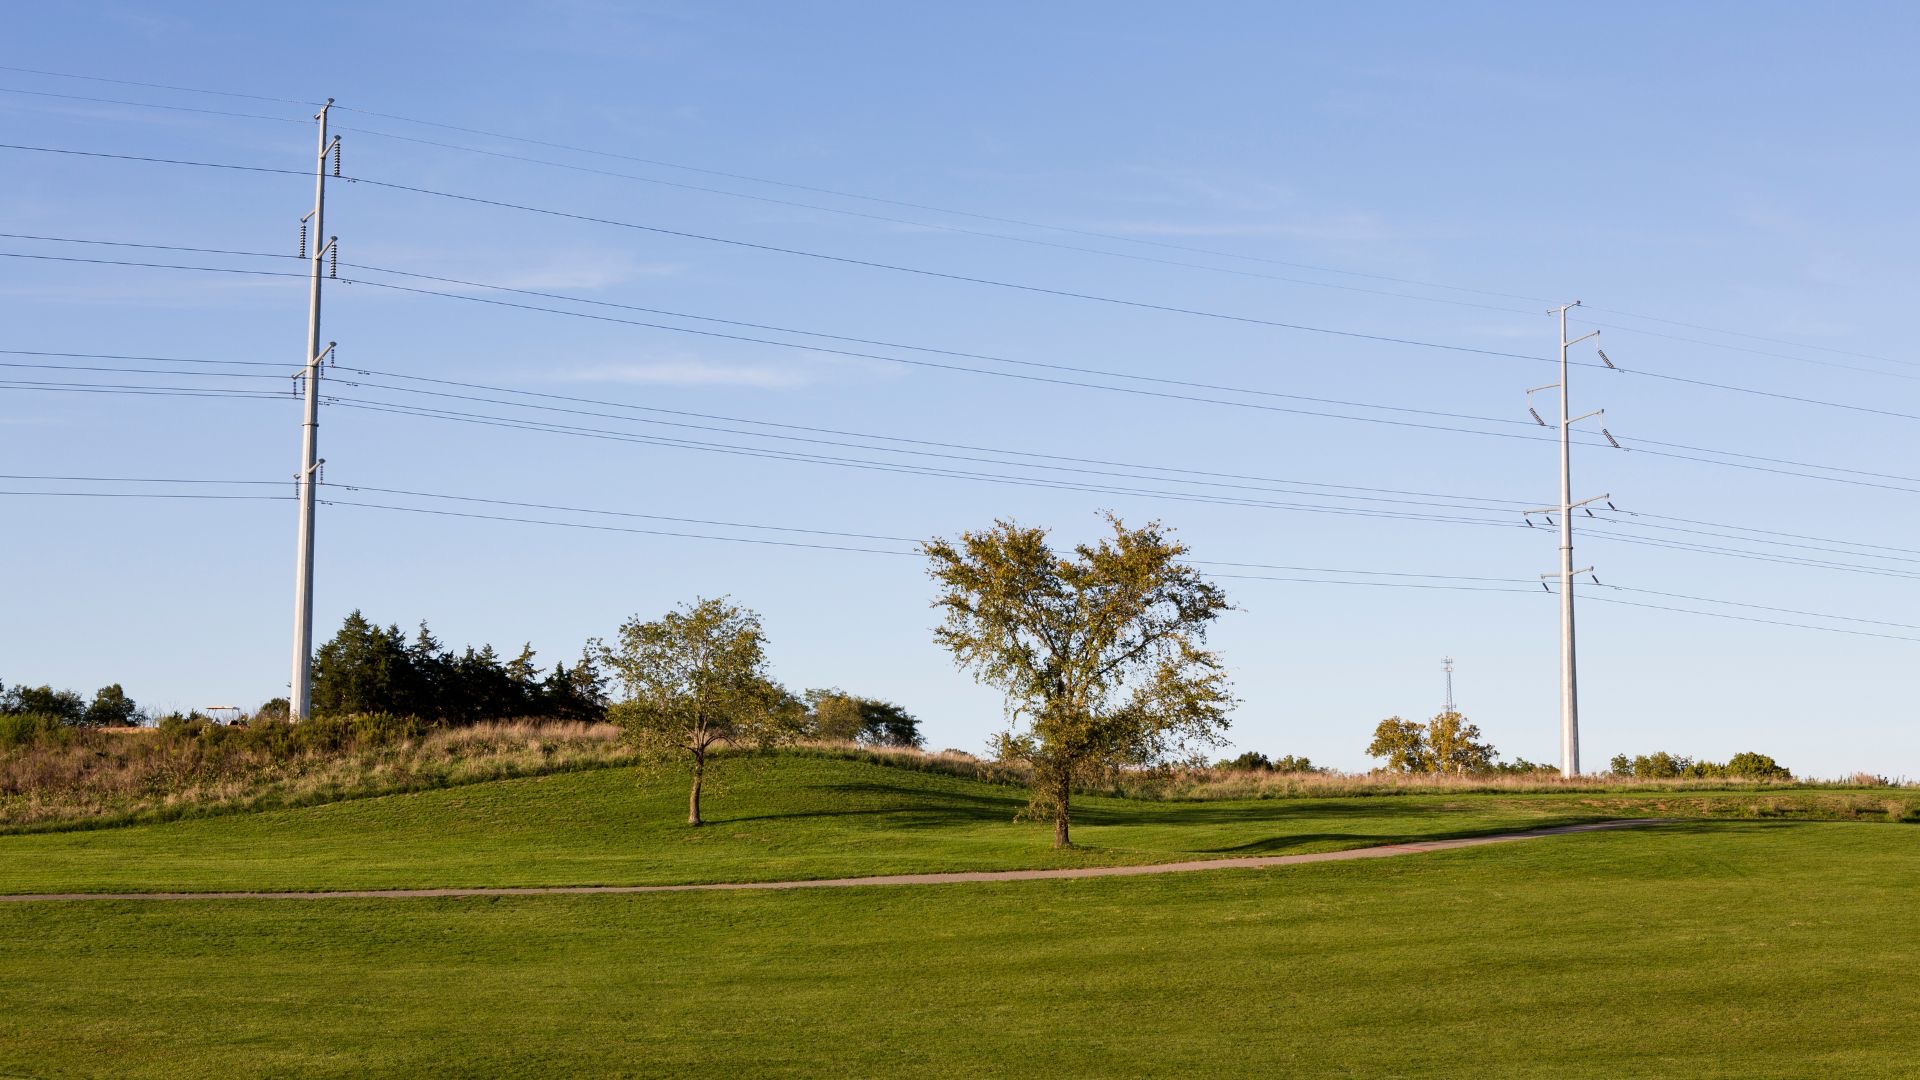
{"x":1746,"y":765}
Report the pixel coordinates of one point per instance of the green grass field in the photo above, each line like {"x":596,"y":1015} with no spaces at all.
{"x":1717,"y":948}
{"x":783,"y":817}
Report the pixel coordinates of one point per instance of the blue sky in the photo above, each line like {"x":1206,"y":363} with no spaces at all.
{"x":1392,"y":170}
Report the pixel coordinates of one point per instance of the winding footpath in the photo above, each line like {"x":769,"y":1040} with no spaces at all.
{"x":1381,"y":851}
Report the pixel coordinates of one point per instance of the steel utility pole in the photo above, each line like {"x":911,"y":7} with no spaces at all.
{"x":1447,"y":665}
{"x":300,"y":689}
{"x":1569,"y":667}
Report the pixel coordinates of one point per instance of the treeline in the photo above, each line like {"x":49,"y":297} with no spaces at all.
{"x":1448,"y":743}
{"x":1662,"y":765}
{"x":110,"y":707}
{"x":1255,"y":761}
{"x":367,"y":669}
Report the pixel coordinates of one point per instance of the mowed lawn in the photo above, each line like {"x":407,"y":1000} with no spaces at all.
{"x":772,"y":818}
{"x":1698,"y":949}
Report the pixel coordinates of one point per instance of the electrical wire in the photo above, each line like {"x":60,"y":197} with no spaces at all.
{"x":1050,"y":227}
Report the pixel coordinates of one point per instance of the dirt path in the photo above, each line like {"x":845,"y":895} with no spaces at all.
{"x":1253,"y":862}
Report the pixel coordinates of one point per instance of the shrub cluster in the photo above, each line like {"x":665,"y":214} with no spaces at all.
{"x":29,"y":708}
{"x":1746,"y":765}
{"x":1255,"y":761}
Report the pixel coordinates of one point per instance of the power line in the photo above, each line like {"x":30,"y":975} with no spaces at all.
{"x":1681,"y":379}
{"x":942,"y":226}
{"x":156,"y":86}
{"x":892,"y":450}
{"x":145,"y":104}
{"x":1751,"y":619}
{"x":940,"y":274}
{"x":1050,"y":227}
{"x":153,"y":160}
{"x":1317,"y":581}
{"x":150,"y":266}
{"x":148,"y":495}
{"x":150,"y":247}
{"x":577,"y":430}
{"x":897,"y":467}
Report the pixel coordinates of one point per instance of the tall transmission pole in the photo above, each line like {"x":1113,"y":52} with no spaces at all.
{"x":300,"y":689}
{"x":1447,"y":666}
{"x":1569,"y":665}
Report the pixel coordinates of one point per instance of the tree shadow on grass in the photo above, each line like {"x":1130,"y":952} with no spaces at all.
{"x":1665,"y":827}
{"x":917,"y":807}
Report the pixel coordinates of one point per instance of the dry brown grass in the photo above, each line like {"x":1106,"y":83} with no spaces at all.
{"x":113,"y":777}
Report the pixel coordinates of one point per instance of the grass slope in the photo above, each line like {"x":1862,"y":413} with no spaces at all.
{"x":780,"y":817}
{"x":1709,"y":949}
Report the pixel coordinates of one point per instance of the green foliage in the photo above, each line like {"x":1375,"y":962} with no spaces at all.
{"x":1445,"y":744}
{"x":1403,"y":743}
{"x":1751,"y":766}
{"x":836,"y":715}
{"x":1746,"y":765}
{"x":367,"y":669}
{"x":1100,"y":655}
{"x":112,"y":708}
{"x":30,"y":728}
{"x":1255,"y":761}
{"x":63,"y":705}
{"x":696,"y":679}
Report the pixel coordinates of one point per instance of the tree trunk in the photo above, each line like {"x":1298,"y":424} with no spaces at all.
{"x":693,"y":797}
{"x":1061,"y":816}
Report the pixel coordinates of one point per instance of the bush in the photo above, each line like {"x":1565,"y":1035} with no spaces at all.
{"x":1661,"y":765}
{"x":28,"y":729}
{"x":64,"y":705}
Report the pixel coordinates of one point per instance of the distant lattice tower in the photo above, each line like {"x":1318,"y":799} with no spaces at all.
{"x":1446,"y":664}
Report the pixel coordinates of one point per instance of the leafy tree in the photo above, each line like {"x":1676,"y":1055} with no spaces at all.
{"x":1251,"y":761}
{"x":1454,"y":745}
{"x":1662,"y":765}
{"x":1291,"y":764}
{"x":63,"y":705}
{"x":882,"y":723}
{"x":1100,"y":656}
{"x":694,"y":680}
{"x":112,"y":708}
{"x":1446,"y":743}
{"x":834,"y":714}
{"x":1756,"y":767}
{"x":1403,"y":743}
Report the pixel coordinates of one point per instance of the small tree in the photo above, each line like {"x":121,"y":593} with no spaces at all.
{"x":1403,"y":743}
{"x":112,"y":708}
{"x":1454,"y":745}
{"x":1446,"y":743}
{"x":1100,"y":655}
{"x":834,"y":714}
{"x":694,"y":680}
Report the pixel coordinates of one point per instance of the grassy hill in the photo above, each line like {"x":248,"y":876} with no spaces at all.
{"x":781,"y":817}
{"x":1721,"y":949}
{"x":1702,"y":948}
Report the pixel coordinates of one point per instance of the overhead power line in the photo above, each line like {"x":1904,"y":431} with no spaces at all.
{"x":1637,"y":372}
{"x":1110,"y":236}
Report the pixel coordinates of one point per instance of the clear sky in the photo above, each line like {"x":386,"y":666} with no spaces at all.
{"x":1743,"y":172}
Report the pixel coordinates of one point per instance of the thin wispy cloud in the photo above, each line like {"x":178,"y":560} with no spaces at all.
{"x":1346,"y":229}
{"x":688,"y":373}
